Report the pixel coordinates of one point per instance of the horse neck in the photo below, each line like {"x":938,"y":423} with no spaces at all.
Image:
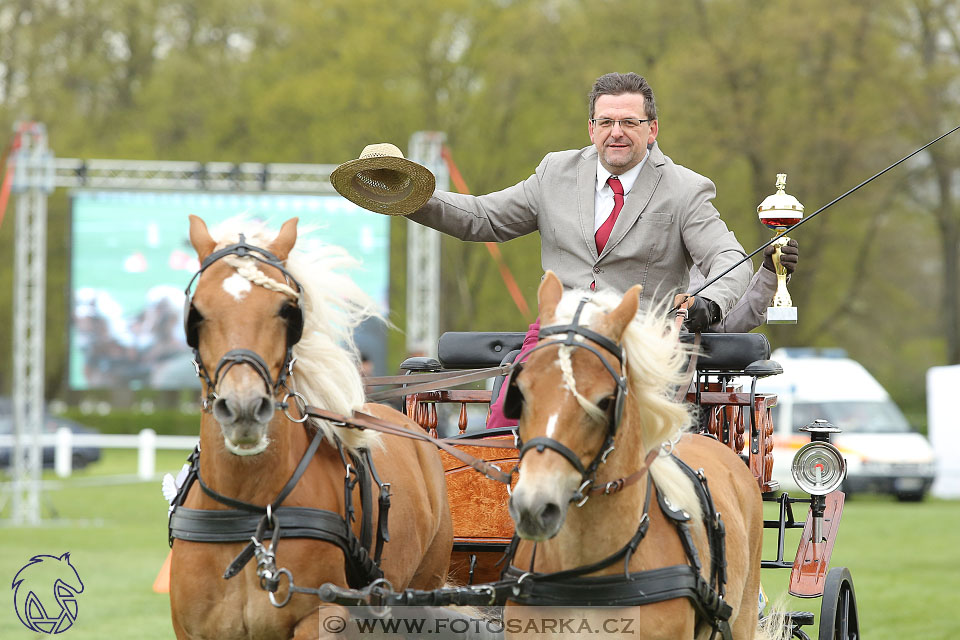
{"x":257,"y":479}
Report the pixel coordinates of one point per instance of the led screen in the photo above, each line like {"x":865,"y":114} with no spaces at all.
{"x":131,"y":261}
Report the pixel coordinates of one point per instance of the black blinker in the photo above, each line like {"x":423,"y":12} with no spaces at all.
{"x":293,"y":316}
{"x":513,"y":397}
{"x":191,"y":321}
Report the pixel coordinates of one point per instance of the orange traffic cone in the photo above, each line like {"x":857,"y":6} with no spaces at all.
{"x":162,"y":583}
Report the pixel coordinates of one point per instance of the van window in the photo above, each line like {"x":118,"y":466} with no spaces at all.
{"x":852,"y":416}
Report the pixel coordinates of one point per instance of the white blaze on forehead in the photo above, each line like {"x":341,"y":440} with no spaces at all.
{"x":551,"y":425}
{"x":237,"y":286}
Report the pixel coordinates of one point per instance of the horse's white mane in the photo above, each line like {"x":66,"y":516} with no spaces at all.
{"x":326,"y":371}
{"x":655,"y":363}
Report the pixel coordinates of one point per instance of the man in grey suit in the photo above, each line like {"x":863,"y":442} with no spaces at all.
{"x":660,"y":220}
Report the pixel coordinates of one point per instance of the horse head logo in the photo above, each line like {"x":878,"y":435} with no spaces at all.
{"x":45,"y":593}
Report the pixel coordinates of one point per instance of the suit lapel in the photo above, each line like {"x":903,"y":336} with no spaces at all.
{"x":586,"y":191}
{"x":637,"y":199}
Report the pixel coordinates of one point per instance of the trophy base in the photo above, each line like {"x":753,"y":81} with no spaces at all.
{"x":781,"y":315}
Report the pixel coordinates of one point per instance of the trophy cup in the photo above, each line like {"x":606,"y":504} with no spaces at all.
{"x":778,"y":212}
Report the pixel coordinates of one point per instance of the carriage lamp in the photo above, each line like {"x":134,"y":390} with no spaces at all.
{"x":778,"y":212}
{"x":818,"y":467}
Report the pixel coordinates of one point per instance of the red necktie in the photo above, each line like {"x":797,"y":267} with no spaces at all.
{"x":603,"y":233}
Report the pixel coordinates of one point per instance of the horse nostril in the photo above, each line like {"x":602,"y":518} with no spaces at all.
{"x":223,"y":412}
{"x":264,"y":410}
{"x":550,"y":515}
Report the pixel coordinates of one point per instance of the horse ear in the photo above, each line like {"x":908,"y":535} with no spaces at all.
{"x":285,"y":240}
{"x":618,"y":319}
{"x":200,"y":238}
{"x":548,"y":296}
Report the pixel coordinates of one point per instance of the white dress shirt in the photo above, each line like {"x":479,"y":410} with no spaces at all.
{"x":603,"y":199}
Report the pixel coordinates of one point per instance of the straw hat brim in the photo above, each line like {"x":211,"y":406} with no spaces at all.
{"x":384,"y":184}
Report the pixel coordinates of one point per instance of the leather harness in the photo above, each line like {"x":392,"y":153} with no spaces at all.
{"x":246,"y":520}
{"x":572,"y":587}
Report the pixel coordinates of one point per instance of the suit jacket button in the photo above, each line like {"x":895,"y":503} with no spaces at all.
{"x":597,"y":270}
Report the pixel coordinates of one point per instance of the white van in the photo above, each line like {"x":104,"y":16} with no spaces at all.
{"x":883,"y":453}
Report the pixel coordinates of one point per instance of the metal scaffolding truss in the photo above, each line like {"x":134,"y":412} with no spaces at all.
{"x":37,"y":173}
{"x":192,"y":176}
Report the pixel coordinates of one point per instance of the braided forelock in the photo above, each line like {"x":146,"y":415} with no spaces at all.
{"x":566,"y":367}
{"x":249,"y":269}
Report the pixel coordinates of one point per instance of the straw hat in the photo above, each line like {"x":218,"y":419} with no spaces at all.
{"x":382,"y":180}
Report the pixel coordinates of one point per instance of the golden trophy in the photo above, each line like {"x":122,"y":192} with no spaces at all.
{"x":778,"y":212}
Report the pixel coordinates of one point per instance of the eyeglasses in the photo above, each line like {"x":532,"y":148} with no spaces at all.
{"x":626,"y":123}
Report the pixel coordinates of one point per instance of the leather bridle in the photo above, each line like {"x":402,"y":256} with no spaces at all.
{"x":294,"y":317}
{"x":513,"y":401}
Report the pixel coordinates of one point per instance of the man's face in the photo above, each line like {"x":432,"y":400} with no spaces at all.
{"x":621,"y":148}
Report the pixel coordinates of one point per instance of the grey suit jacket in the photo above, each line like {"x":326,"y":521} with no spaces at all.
{"x":668,"y":224}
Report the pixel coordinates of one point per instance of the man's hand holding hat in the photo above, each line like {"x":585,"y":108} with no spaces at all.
{"x":383,"y":181}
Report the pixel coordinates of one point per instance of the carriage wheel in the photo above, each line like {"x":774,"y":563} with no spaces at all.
{"x":838,"y":610}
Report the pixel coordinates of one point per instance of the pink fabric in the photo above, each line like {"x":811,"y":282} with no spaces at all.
{"x":497,"y":418}
{"x":603,"y":233}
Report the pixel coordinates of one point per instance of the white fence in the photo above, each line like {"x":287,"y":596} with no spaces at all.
{"x":146,"y":443}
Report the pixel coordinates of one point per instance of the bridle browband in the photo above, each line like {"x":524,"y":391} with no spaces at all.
{"x":231,"y":358}
{"x":513,"y":400}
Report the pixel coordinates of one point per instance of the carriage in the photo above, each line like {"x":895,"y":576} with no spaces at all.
{"x":273,"y":473}
{"x":730,"y":410}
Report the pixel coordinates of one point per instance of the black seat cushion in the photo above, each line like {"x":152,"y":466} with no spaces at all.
{"x":729,"y":351}
{"x":476,"y":349}
{"x":480,"y":349}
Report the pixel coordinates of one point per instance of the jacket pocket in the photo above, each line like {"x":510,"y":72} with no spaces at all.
{"x":658,"y":218}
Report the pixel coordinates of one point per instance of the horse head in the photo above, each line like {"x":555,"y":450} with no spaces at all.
{"x":243,"y":318}
{"x":571,"y":396}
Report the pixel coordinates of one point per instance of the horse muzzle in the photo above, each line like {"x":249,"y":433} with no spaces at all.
{"x":244,"y":421}
{"x":539,"y":514}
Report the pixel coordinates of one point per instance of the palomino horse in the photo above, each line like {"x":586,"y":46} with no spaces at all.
{"x":271,"y":329}
{"x":596,"y":406}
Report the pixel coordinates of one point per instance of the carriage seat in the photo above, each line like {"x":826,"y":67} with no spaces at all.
{"x":747,"y":353}
{"x":477,"y":349}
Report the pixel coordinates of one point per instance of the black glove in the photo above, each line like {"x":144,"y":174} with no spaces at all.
{"x":701,"y":315}
{"x":789,"y":256}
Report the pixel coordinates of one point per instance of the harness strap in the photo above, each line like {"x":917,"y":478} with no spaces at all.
{"x":432,"y":381}
{"x":383,"y":504}
{"x":247,"y":520}
{"x":641,"y":588}
{"x":365,"y":421}
{"x":549,"y":443}
{"x":287,"y":488}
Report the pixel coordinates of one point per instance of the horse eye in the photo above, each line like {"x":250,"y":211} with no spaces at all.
{"x":605,"y":404}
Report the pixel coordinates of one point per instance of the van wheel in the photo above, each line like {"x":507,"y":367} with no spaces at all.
{"x":911,"y":496}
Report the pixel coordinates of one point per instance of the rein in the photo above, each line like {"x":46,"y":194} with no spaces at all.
{"x":430,"y":381}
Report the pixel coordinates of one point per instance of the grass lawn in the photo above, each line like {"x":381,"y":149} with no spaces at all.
{"x":904,"y":558}
{"x":905,"y":563}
